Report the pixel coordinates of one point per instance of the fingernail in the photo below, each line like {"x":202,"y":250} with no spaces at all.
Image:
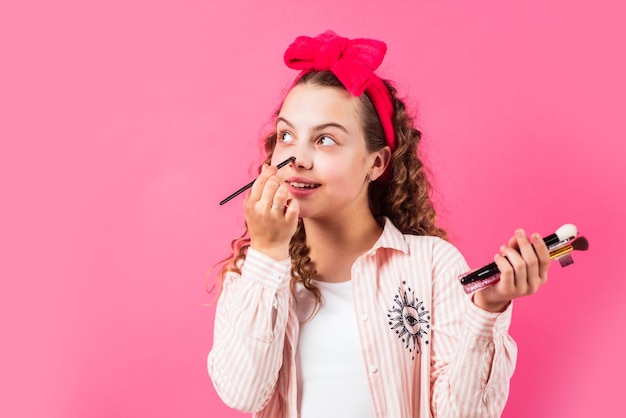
{"x":502,"y":249}
{"x":520,"y":233}
{"x":536,"y":237}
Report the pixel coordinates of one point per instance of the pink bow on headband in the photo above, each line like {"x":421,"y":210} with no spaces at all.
{"x":353,"y":62}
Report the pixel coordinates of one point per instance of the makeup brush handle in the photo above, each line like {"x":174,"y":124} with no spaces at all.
{"x":247,"y":186}
{"x":492,"y":268}
{"x":479,"y":274}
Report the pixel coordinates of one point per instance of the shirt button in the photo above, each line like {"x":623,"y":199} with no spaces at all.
{"x":373,"y":369}
{"x":364,"y":317}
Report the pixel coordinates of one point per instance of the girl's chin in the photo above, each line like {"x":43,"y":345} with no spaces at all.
{"x":316,"y":214}
{"x":306,"y":213}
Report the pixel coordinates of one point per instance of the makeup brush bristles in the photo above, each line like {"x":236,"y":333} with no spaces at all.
{"x":580,"y":244}
{"x":564,"y":255}
{"x":566,"y":259}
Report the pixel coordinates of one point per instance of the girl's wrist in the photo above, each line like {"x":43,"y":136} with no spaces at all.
{"x":490,"y":306}
{"x":277,"y":253}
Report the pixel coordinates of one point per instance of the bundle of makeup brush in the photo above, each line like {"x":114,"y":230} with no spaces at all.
{"x":560,"y":244}
{"x":564,"y":254}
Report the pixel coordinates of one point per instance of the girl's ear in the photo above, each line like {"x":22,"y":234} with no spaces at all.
{"x":381,"y":161}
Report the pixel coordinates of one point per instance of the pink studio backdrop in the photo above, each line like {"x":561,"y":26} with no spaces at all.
{"x":124,"y":123}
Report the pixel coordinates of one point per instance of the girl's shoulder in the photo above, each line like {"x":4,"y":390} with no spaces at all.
{"x":427,"y":251}
{"x":419,"y":244}
{"x":430,"y":241}
{"x":436,"y":246}
{"x":437,"y":256}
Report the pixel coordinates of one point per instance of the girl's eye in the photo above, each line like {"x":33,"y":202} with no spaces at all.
{"x":285,"y":136}
{"x":326,"y":141}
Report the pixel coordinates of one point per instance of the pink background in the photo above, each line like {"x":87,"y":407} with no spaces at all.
{"x":124,"y":123}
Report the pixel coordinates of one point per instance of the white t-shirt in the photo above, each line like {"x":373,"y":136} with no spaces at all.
{"x":332,"y":380}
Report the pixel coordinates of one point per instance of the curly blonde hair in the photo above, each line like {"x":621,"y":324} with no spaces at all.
{"x":403,"y":194}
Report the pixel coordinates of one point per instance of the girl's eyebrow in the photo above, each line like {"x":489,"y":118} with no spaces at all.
{"x":316,"y":128}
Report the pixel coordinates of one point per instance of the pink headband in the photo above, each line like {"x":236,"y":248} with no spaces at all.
{"x":353,"y":62}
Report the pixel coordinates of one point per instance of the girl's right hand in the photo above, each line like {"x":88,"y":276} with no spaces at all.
{"x":271,"y":217}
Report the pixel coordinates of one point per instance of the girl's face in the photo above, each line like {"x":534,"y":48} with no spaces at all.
{"x":321,"y":127}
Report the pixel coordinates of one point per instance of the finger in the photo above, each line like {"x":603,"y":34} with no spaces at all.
{"x":269,"y":191}
{"x":279,"y":202}
{"x":530,"y":259}
{"x":292,"y":212}
{"x":543,"y":256}
{"x":281,"y":196}
{"x":513,"y":243}
{"x":259,"y":184}
{"x":519,"y":268}
{"x":506,"y":284}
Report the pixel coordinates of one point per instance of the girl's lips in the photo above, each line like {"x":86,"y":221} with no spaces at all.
{"x":300,"y":187}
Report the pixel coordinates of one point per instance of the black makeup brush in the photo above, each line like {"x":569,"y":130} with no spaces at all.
{"x":247,"y":186}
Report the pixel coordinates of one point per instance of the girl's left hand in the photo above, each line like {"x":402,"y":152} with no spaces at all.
{"x":523,"y":269}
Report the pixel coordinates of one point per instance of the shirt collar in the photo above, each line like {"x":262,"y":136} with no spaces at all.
{"x":391,"y":238}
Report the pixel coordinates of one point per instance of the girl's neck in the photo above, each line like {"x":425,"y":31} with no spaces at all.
{"x":335,"y":245}
{"x":342,"y":232}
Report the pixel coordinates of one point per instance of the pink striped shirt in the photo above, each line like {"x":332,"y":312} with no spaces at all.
{"x":428,"y":350}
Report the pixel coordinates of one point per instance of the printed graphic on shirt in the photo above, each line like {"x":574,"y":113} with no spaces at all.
{"x":410,"y":320}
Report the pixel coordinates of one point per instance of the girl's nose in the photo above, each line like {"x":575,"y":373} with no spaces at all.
{"x":303,"y":159}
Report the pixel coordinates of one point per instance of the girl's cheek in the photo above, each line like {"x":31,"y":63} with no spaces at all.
{"x":278,"y":156}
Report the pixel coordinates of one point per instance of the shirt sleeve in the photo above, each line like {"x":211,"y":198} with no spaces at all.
{"x":473,"y":356}
{"x":249,"y":332}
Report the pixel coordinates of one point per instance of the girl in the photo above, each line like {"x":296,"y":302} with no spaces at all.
{"x":342,"y":299}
